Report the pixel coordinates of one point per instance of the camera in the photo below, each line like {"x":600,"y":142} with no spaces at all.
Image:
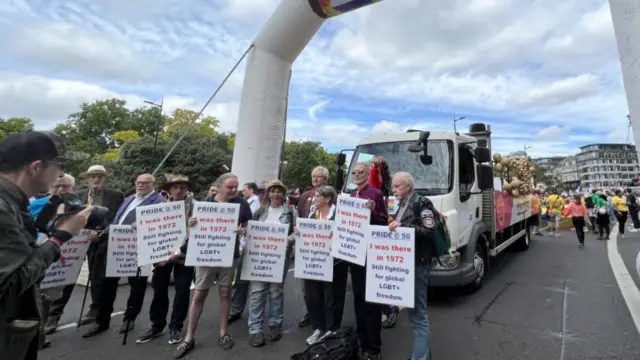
{"x":45,"y":223}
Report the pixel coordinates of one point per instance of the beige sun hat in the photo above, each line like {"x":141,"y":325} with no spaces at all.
{"x":276,"y":183}
{"x":97,"y":170}
{"x":176,"y":179}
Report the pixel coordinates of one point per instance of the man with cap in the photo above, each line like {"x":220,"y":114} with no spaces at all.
{"x":30,"y":163}
{"x":96,"y":194}
{"x":179,"y":189}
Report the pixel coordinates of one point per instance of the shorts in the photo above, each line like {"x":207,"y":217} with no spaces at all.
{"x":207,"y":277}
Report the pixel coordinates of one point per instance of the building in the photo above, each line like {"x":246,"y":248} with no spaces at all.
{"x":567,"y":173}
{"x":550,"y":166}
{"x":607,"y":165}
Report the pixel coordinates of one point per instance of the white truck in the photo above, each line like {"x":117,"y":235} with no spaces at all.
{"x":455,"y":172}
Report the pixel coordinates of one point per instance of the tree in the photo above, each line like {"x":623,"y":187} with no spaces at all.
{"x":181,"y":119}
{"x":301,"y":158}
{"x":14,"y":125}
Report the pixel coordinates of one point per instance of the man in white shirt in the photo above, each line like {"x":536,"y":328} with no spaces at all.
{"x":249,"y":192}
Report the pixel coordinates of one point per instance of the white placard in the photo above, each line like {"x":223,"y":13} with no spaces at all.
{"x":65,"y":271}
{"x":122,"y":253}
{"x":212,"y":241}
{"x":351,"y":230}
{"x":313,"y":250}
{"x":264,"y":252}
{"x":161,"y":230}
{"x":391,"y":266}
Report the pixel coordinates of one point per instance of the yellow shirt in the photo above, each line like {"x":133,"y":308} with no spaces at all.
{"x":619,"y":203}
{"x":555,"y":203}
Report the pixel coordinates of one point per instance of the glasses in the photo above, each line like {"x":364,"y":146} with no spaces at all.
{"x":358,"y":172}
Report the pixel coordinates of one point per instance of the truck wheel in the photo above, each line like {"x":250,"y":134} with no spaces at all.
{"x":479,"y":265}
{"x":523,"y":243}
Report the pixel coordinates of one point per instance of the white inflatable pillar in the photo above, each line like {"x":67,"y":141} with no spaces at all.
{"x":626,"y":23}
{"x":263,"y":104}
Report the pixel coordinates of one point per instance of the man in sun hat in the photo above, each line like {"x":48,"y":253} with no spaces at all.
{"x":95,"y":194}
{"x":179,"y":188}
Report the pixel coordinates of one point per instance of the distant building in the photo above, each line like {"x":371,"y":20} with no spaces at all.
{"x":567,"y":172}
{"x":550,"y":165}
{"x":607,"y":165}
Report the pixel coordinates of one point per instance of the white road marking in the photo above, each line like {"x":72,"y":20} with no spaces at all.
{"x":627,"y":285}
{"x":68,"y":326}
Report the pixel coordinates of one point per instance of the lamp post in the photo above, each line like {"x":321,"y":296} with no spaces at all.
{"x":525,"y":150}
{"x":159,"y":124}
{"x":455,"y":121}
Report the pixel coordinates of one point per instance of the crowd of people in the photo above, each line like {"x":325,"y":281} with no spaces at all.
{"x":27,"y":175}
{"x":594,"y":210}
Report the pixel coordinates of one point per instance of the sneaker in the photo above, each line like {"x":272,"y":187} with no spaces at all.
{"x":89,"y":317}
{"x":276,"y":332}
{"x":581,"y":246}
{"x":226,"y":342}
{"x":390,"y":321}
{"x":257,"y":340}
{"x":126,"y":326}
{"x":175,"y":336}
{"x":233,"y":318}
{"x":149,"y":334}
{"x":52,"y":325}
{"x":315,"y":337}
{"x":183,"y":349}
{"x":304,"y":322}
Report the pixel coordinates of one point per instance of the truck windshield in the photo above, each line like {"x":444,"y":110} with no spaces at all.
{"x":434,"y":179}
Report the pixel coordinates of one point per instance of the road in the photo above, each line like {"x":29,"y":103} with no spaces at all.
{"x":555,"y":301}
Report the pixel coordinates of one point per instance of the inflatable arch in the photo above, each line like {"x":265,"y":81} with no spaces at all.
{"x":263,"y":104}
{"x":626,"y":24}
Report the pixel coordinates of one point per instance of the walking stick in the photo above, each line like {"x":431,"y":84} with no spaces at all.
{"x":135,"y":283}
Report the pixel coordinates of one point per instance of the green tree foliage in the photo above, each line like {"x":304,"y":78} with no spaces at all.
{"x":181,"y":118}
{"x":14,"y":125}
{"x":301,"y":157}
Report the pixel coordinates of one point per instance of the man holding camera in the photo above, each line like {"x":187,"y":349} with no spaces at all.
{"x":30,"y":163}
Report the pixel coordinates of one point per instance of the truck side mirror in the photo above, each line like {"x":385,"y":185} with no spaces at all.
{"x":485,"y":176}
{"x":482,"y":155}
{"x":339,"y":179}
{"x":341,"y":159}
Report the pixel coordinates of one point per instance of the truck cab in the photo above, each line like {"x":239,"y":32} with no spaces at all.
{"x":450,"y":169}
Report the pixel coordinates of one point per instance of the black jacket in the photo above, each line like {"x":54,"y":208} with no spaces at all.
{"x":419,"y":211}
{"x":22,"y":265}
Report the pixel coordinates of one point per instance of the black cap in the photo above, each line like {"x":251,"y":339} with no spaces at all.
{"x":30,"y":146}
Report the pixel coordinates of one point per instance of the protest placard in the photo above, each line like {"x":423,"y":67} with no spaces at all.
{"x":161,"y":230}
{"x":351,"y":230}
{"x":264,"y":252}
{"x":122,"y":253}
{"x":212,"y":240}
{"x":65,"y":271}
{"x":313,"y":250}
{"x":391,"y":266}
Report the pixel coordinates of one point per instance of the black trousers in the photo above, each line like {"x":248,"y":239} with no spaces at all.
{"x":368,"y":315}
{"x":183,"y":275}
{"x":578,"y":224}
{"x":57,"y":305}
{"x":324,"y":308}
{"x":603,"y":224}
{"x":622,"y":220}
{"x":138,"y":287}
{"x":97,"y":258}
{"x":633,"y":214}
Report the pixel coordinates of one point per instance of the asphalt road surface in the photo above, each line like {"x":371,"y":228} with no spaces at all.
{"x":555,"y":301}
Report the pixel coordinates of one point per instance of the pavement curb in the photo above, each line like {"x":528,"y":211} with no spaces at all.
{"x":627,"y":285}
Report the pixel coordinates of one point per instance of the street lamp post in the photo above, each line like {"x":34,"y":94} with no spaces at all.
{"x":525,"y":150}
{"x":159,"y":124}
{"x":455,"y":121}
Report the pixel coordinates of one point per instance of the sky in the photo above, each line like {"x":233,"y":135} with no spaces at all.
{"x":542,"y":73}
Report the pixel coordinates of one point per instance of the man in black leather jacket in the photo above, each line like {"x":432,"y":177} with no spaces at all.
{"x":30,"y":163}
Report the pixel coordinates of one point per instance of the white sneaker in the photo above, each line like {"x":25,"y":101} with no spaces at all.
{"x":557,"y":235}
{"x":315,"y":337}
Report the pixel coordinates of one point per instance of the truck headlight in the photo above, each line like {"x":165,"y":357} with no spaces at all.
{"x":447,"y":262}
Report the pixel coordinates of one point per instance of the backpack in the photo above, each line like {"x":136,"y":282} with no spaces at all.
{"x":588,"y":202}
{"x":342,"y":345}
{"x":442,"y":240}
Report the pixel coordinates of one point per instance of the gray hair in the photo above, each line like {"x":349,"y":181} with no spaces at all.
{"x":70,"y":178}
{"x":325,"y":171}
{"x":407,"y":178}
{"x":327,"y":191}
{"x":362,"y":164}
{"x":224,"y":177}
